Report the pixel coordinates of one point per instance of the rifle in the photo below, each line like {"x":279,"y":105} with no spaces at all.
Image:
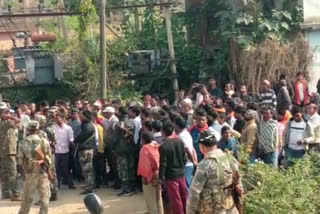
{"x":237,"y":191}
{"x":45,"y":163}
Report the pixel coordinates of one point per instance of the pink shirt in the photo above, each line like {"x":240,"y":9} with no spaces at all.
{"x":64,"y":136}
{"x":149,"y":158}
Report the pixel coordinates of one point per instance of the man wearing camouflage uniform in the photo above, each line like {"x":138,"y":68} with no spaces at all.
{"x":35,"y":176}
{"x":86,"y":143}
{"x":123,"y":146}
{"x":47,"y":132}
{"x":8,"y":150}
{"x":214,"y":183}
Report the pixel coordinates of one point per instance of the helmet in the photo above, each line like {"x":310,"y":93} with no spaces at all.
{"x":41,"y":119}
{"x":207,"y":138}
{"x":93,"y":203}
{"x":33,"y":125}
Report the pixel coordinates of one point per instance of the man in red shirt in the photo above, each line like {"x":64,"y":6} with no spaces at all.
{"x":301,"y":94}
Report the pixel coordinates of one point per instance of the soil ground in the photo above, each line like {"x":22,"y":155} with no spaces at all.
{"x":71,"y":202}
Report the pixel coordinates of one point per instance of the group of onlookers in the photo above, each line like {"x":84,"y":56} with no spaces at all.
{"x":172,"y":152}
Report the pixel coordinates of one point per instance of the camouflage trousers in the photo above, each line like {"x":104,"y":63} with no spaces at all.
{"x":54,"y":182}
{"x":85,"y":159}
{"x":9,"y":176}
{"x":33,"y":182}
{"x":126,"y":171}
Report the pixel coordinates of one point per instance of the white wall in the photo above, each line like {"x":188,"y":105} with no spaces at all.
{"x":311,"y":10}
{"x":313,"y":38}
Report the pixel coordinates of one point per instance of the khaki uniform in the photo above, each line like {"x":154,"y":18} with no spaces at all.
{"x":210,"y":191}
{"x":249,"y":137}
{"x":52,"y":141}
{"x":35,"y":177}
{"x":8,"y":151}
{"x":85,"y":158}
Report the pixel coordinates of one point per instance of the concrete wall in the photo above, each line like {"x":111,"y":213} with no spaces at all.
{"x":313,"y":38}
{"x":311,"y":10}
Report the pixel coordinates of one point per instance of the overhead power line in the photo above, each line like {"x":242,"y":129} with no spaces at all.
{"x":17,"y":15}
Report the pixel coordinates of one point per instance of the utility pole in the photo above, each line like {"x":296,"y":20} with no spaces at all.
{"x":136,"y":21}
{"x":26,"y":6}
{"x":103,"y":57}
{"x":173,"y":66}
{"x":62,"y":21}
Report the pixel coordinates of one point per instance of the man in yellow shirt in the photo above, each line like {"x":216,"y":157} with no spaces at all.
{"x":99,"y":159}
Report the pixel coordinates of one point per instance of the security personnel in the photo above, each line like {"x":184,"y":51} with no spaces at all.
{"x":123,"y":146}
{"x":8,"y":151}
{"x":47,"y":132}
{"x":86,"y":142}
{"x":32,"y":162}
{"x":211,"y":191}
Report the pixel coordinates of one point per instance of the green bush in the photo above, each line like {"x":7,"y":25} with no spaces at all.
{"x":272,"y":191}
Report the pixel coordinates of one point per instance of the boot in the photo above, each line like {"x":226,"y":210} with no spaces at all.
{"x":53,"y":197}
{"x":15,"y":198}
{"x":6,"y":196}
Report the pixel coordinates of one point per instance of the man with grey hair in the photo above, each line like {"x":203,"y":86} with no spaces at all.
{"x":188,"y":111}
{"x":312,"y":110}
{"x":268,"y":96}
{"x":108,"y":124}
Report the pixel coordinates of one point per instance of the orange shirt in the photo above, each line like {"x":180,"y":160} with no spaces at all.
{"x":287,"y":117}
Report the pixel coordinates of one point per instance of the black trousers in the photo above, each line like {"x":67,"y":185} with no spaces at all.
{"x":76,"y":167}
{"x":99,"y":163}
{"x":63,"y":168}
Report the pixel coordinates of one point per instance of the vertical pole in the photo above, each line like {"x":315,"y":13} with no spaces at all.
{"x":39,"y":18}
{"x":103,"y":57}
{"x":173,"y":65}
{"x":26,"y":6}
{"x":62,"y":21}
{"x":1,"y":4}
{"x":136,"y":21}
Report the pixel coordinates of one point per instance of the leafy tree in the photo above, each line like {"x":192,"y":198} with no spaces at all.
{"x":246,"y":24}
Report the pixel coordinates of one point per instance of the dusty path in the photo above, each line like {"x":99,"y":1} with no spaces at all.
{"x":71,"y":202}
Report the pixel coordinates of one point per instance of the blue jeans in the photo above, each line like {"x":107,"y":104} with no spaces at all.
{"x":188,"y":172}
{"x":291,"y":155}
{"x":270,"y":158}
{"x":252,"y":158}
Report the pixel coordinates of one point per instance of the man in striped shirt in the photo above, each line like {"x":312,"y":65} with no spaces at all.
{"x":268,"y":138}
{"x":268,"y":96}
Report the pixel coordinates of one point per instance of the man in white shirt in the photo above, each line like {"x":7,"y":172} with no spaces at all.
{"x":108,"y":123}
{"x":219,"y":124}
{"x":134,"y":115}
{"x":200,"y":95}
{"x":180,"y":128}
{"x":188,"y":111}
{"x":297,"y":135}
{"x":64,"y":137}
{"x":312,"y":110}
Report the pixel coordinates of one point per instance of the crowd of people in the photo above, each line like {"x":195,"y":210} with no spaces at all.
{"x":182,"y":156}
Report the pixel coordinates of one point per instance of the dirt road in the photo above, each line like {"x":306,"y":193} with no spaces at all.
{"x":71,"y":202}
